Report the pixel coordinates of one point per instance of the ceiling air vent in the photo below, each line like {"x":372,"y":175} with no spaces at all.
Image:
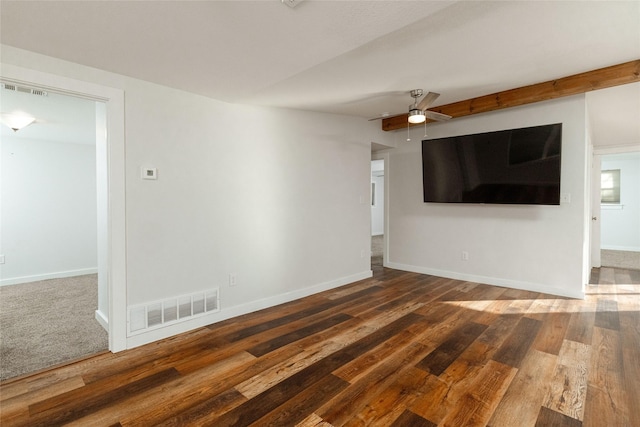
{"x":24,"y":89}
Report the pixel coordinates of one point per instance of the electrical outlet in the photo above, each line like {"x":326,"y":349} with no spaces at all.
{"x":232,"y":279}
{"x":465,"y":256}
{"x":1,"y":259}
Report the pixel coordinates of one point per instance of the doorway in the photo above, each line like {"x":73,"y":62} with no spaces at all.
{"x":112,"y":299}
{"x":51,"y":195}
{"x":620,"y":210}
{"x":377,"y":213}
{"x":615,"y":208}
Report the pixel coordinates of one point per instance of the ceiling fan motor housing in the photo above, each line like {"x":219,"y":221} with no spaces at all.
{"x":416,"y":116}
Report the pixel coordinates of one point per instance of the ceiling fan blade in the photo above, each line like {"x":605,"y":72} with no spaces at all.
{"x":428,"y":100}
{"x":436,"y":116}
{"x":384,"y":116}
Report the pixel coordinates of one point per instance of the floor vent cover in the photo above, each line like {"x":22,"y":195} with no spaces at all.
{"x":158,"y":314}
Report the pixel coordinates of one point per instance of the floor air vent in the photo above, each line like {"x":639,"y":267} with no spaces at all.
{"x":158,"y":314}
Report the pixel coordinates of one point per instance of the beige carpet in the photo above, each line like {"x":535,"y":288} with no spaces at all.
{"x":46,"y":323}
{"x":620,"y":259}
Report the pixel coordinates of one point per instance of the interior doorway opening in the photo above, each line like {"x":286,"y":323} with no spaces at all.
{"x":54,"y":222}
{"x":115,"y":247}
{"x":377,"y":213}
{"x":620,"y":210}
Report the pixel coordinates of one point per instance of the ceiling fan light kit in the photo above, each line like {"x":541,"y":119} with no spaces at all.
{"x":416,"y":116}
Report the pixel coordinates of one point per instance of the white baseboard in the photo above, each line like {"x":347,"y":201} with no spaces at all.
{"x":103,"y":320}
{"x":239,"y":310}
{"x":507,"y":283}
{"x":55,"y":275}
{"x":621,"y":248}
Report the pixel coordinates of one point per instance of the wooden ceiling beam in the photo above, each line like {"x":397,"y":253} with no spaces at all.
{"x":615,"y":75}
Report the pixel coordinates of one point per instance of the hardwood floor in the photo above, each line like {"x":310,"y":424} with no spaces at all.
{"x":400,"y":349}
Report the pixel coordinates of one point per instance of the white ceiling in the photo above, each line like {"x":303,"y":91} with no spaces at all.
{"x":348,"y":57}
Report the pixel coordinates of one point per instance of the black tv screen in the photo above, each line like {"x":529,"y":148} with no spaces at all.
{"x":515,"y":166}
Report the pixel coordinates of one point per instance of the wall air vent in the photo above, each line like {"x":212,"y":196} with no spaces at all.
{"x":157,"y":314}
{"x":24,"y":89}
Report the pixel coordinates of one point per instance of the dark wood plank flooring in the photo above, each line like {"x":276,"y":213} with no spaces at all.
{"x":399,"y":349}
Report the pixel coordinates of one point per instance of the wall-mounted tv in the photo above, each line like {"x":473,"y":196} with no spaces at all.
{"x":515,"y":166}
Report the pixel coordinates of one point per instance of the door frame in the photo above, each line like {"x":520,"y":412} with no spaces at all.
{"x":595,"y":211}
{"x":385,"y":241}
{"x":115,"y":163}
{"x":594,"y":220}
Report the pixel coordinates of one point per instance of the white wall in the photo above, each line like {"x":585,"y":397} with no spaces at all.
{"x":281,"y":199}
{"x":620,"y":227}
{"x":540,"y":248}
{"x":377,"y":208}
{"x":48,"y":210}
{"x":275,"y":202}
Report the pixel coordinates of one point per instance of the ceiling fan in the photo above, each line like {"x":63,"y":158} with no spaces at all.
{"x":418,"y":112}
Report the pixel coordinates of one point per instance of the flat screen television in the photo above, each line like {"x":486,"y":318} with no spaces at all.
{"x":515,"y":166}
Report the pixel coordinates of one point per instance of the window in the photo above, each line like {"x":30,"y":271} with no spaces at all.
{"x":610,"y":186}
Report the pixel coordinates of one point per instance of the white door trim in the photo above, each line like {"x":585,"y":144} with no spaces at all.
{"x":598,"y":152}
{"x":116,"y":220}
{"x":595,"y":211}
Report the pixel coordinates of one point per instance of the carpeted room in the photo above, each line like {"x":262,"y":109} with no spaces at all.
{"x":47,"y":323}
{"x":48,"y":277}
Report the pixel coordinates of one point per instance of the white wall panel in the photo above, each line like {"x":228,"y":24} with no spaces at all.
{"x":48,"y":210}
{"x":531,"y":247}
